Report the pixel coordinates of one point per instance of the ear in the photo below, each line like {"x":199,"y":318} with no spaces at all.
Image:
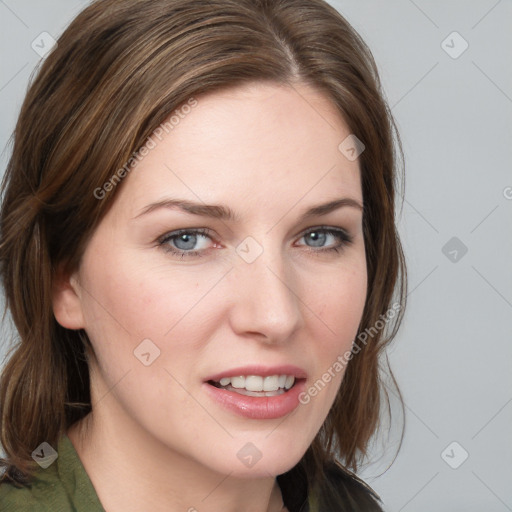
{"x":66,"y":300}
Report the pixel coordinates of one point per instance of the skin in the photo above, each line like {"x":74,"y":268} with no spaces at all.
{"x":155,"y":440}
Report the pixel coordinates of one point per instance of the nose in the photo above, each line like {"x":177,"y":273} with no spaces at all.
{"x":266,"y":298}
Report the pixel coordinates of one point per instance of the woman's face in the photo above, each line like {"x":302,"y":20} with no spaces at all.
{"x":266,"y":293}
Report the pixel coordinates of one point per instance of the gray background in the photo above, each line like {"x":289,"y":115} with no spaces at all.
{"x":452,"y":356}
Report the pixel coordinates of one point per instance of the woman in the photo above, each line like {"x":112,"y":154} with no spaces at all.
{"x":199,"y":253}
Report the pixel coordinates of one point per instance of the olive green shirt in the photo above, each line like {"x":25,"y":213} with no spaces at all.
{"x":64,"y":486}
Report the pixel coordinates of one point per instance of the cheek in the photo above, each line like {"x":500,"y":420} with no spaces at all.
{"x":131,"y":301}
{"x":131,"y":311}
{"x":339,"y":303}
{"x":138,"y":298}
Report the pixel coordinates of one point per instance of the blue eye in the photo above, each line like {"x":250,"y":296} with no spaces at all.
{"x":184,"y":240}
{"x":320,"y":235}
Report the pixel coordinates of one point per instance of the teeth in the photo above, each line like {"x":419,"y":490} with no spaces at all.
{"x":289,"y":382}
{"x":238,"y":382}
{"x":243,"y":391}
{"x":259,"y":383}
{"x":271,"y":383}
{"x":254,"y":383}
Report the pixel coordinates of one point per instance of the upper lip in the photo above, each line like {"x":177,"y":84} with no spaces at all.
{"x":264,"y":371}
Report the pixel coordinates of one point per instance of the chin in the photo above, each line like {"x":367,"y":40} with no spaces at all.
{"x":262,"y":458}
{"x":262,"y":469}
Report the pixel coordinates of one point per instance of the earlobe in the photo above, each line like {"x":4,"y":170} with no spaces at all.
{"x":66,"y":300}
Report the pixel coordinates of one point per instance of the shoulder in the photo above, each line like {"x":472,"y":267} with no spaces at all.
{"x":338,"y":490}
{"x":33,"y":498}
{"x":343,"y":486}
{"x":62,"y":486}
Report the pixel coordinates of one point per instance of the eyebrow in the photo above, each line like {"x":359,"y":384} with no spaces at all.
{"x":225,"y":213}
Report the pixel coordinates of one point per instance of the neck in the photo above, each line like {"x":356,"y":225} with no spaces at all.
{"x":151,"y":476}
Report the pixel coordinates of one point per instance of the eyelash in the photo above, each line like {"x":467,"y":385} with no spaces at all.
{"x":343,"y":236}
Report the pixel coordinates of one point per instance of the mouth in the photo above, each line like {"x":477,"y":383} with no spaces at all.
{"x":256,"y":385}
{"x":257,"y":391}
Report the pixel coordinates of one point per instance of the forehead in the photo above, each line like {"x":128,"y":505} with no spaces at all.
{"x":260,"y":145}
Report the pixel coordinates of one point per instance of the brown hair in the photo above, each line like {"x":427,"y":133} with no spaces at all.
{"x":117,"y":73}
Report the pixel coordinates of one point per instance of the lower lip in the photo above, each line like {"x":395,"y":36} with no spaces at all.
{"x":258,"y":408}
